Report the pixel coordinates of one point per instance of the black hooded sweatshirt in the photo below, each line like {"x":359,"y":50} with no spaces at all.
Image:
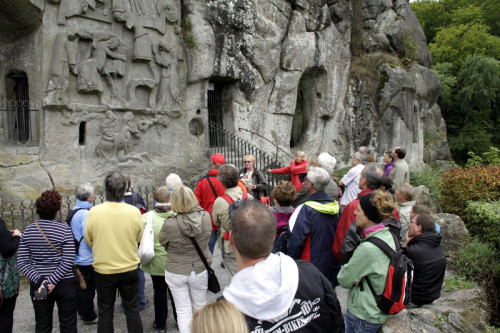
{"x":429,"y":263}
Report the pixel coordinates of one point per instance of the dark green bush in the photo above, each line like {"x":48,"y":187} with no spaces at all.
{"x":479,"y":262}
{"x":483,"y":221}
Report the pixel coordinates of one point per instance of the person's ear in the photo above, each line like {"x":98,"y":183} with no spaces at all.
{"x":231,"y":240}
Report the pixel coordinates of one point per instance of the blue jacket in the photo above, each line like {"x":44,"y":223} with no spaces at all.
{"x":84,"y":256}
{"x":312,"y":231}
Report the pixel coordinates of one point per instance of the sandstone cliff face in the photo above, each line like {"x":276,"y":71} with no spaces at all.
{"x":129,"y":85}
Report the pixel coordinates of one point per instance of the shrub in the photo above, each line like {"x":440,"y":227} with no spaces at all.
{"x":479,"y":262}
{"x":429,"y":176}
{"x":460,"y":185}
{"x":483,"y":221}
{"x":490,"y":157}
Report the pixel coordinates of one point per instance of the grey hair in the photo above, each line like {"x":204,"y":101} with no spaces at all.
{"x":173,"y":180}
{"x":327,"y":162}
{"x":360,"y":157}
{"x":319,"y":177}
{"x":374,"y":175}
{"x":115,"y":186}
{"x":83,"y":191}
{"x":406,"y":191}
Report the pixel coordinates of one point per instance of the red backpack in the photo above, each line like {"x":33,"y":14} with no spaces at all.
{"x":397,"y":292}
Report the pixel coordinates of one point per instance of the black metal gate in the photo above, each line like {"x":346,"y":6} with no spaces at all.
{"x":215,"y":114}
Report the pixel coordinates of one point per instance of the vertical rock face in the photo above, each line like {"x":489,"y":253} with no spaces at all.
{"x":130,"y":84}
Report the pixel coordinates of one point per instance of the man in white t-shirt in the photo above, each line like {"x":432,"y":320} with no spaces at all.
{"x":351,"y":179}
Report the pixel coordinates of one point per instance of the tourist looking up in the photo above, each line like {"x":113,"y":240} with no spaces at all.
{"x":368,"y":262}
{"x":404,"y":198}
{"x":273,"y":291}
{"x":208,"y":189}
{"x":46,"y":256}
{"x":229,"y":177}
{"x":85,"y":197}
{"x":327,"y":162}
{"x":388,"y":163}
{"x":367,"y":152}
{"x":156,"y":267}
{"x":423,"y":247}
{"x":283,"y":196}
{"x":219,"y":317}
{"x":172,"y":181}
{"x":9,"y":243}
{"x":185,"y":272}
{"x":254,"y":180}
{"x":297,"y":169}
{"x":351,"y":179}
{"x":313,"y":225}
{"x":113,"y":230}
{"x":417,"y":210}
{"x":400,"y":173}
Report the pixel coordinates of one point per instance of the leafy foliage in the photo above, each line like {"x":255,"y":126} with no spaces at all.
{"x":456,"y":283}
{"x":483,"y":221}
{"x":490,"y":157}
{"x":429,"y":176}
{"x":460,"y":185}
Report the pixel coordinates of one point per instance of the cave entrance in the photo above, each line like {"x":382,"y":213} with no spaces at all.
{"x":215,"y":114}
{"x":303,"y":109}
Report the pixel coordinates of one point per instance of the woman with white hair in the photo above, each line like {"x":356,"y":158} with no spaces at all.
{"x":327,"y":162}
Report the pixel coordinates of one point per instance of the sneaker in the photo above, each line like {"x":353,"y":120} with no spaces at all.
{"x":90,"y":322}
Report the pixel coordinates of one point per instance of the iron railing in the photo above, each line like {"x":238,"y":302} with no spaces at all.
{"x":18,"y":214}
{"x":235,"y":148}
{"x":19,"y":121}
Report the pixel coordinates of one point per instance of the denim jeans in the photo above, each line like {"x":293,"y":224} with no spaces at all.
{"x":127,"y":284}
{"x":86,"y":302}
{"x":65,"y":294}
{"x":212,"y":240}
{"x":189,"y":293}
{"x":356,"y":325}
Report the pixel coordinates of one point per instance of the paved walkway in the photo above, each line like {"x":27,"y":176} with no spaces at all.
{"x":24,"y":316}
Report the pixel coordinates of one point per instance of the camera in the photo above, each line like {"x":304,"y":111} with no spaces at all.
{"x":41,"y":295}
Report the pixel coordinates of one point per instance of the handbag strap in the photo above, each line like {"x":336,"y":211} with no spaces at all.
{"x":39,"y":229}
{"x":197,"y":247}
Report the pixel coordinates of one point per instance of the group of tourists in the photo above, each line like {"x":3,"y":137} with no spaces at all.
{"x":284,"y":258}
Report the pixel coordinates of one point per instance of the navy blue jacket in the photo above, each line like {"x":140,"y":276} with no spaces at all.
{"x":312,"y":231}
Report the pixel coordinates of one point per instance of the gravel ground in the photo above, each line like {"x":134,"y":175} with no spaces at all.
{"x":24,"y":316}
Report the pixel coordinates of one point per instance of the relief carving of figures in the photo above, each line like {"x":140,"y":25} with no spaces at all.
{"x":106,"y":57}
{"x":167,"y":96}
{"x":69,"y":8}
{"x":63,"y":60}
{"x":118,"y":134}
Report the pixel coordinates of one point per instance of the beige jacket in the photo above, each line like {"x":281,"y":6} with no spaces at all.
{"x":220,"y":215}
{"x":174,"y":236}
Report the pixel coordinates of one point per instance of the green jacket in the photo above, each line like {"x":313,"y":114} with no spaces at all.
{"x":157,"y":265}
{"x":370,"y":262}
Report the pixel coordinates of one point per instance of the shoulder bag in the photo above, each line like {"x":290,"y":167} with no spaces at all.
{"x":147,"y":247}
{"x":81,"y":280}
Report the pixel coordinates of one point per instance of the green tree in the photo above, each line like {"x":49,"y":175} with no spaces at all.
{"x":476,"y":120}
{"x":455,"y":43}
{"x":432,"y":16}
{"x":448,"y":80}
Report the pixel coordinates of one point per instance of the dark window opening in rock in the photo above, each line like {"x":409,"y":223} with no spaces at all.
{"x":196,"y":127}
{"x":215,"y":114}
{"x":18,"y":106}
{"x":81,"y":133}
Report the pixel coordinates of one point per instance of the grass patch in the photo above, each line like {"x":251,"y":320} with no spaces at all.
{"x":457,"y":283}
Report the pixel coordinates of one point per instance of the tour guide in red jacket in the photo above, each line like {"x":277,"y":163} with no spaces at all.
{"x":297,"y":168}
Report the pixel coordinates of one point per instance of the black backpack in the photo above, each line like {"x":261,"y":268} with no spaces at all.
{"x":281,"y":243}
{"x":71,"y":213}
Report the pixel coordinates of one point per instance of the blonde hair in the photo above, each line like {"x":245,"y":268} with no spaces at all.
{"x":219,"y":317}
{"x":183,"y":200}
{"x":385,"y":203}
{"x":250,"y":157}
{"x":301,"y":154}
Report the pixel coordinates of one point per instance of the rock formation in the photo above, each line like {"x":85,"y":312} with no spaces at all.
{"x":123,"y":84}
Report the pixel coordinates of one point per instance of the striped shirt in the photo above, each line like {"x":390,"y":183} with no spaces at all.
{"x":37,"y":260}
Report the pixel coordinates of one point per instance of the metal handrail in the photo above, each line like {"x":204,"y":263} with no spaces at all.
{"x":263,"y":137}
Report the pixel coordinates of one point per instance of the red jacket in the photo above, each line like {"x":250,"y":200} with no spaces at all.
{"x":346,"y":220}
{"x":294,"y":169}
{"x":205,"y":194}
